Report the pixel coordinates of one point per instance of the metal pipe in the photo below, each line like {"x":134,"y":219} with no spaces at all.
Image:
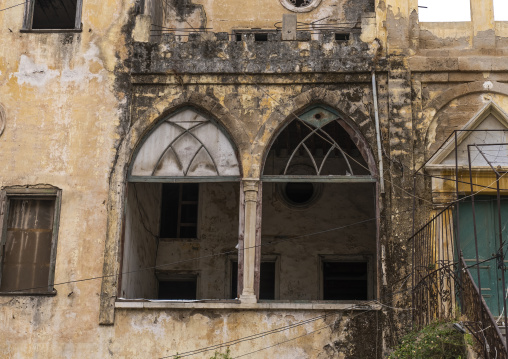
{"x":474,"y":226}
{"x":378,"y":133}
{"x":457,"y":222}
{"x":413,"y":257}
{"x":457,"y":227}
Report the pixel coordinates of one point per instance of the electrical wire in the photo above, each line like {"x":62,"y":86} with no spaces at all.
{"x":10,"y":7}
{"x":290,"y":326}
{"x":208,"y":256}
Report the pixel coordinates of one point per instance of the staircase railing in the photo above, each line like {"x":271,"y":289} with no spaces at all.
{"x":442,"y":284}
{"x":481,"y":322}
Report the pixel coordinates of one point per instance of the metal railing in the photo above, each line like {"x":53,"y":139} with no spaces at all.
{"x":434,"y":270}
{"x":481,"y":323}
{"x":443,"y":285}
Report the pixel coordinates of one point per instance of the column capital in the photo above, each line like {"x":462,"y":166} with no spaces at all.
{"x":250,"y":185}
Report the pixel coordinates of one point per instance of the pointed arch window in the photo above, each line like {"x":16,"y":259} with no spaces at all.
{"x":181,"y":202}
{"x":185,"y":145}
{"x":316,"y":146}
{"x":318,"y":177}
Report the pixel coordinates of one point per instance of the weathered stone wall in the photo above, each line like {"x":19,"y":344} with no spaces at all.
{"x":75,"y":105}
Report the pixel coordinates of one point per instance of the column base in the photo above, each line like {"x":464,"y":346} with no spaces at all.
{"x":248,"y":298}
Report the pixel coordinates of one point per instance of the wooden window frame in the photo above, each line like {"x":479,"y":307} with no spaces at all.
{"x":31,"y":193}
{"x":28,"y":19}
{"x":344,"y":259}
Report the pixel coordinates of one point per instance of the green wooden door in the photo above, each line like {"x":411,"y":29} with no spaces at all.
{"x":487,"y":229}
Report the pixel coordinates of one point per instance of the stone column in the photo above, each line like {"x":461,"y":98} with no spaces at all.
{"x":250,"y":188}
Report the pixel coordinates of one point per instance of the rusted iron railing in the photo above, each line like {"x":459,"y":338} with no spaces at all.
{"x":434,"y":270}
{"x":481,"y":323}
{"x":443,"y":285}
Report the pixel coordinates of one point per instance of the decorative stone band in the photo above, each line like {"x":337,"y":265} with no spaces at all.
{"x":219,"y":53}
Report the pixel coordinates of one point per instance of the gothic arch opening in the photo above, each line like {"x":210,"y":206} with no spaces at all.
{"x":319,"y":223}
{"x":182,"y":205}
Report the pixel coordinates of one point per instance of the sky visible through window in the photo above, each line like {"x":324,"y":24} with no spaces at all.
{"x":501,"y":10}
{"x":456,"y":10}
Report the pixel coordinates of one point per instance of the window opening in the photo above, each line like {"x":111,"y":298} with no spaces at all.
{"x":28,"y":245}
{"x":267,"y":278}
{"x":184,"y":288}
{"x":345,"y":280}
{"x":179,"y":210}
{"x":267,"y":281}
{"x":258,"y":35}
{"x":53,"y":14}
{"x":301,"y":3}
{"x":317,"y":146}
{"x":500,"y":10}
{"x":341,"y":36}
{"x":444,"y":11}
{"x":185,"y":144}
{"x":300,"y":194}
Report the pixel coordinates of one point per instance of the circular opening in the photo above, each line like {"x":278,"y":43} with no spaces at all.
{"x":300,"y":3}
{"x":298,"y":193}
{"x":317,"y":116}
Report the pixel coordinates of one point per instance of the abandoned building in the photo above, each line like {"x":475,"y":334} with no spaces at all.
{"x":286,"y":178}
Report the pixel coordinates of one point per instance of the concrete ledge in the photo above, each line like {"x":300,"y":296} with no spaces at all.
{"x":229,"y":305}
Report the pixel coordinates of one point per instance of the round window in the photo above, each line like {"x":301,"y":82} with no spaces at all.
{"x":299,"y":194}
{"x":300,"y":5}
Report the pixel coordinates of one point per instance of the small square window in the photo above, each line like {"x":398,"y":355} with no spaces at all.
{"x":28,"y":244}
{"x":53,"y":15}
{"x":339,"y":36}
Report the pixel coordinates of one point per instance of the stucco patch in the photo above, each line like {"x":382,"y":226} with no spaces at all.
{"x":34,"y":74}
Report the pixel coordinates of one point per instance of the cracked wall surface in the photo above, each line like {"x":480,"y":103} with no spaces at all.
{"x":75,"y":105}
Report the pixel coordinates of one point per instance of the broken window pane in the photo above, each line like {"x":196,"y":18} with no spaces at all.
{"x":345,"y":281}
{"x":54,"y":14}
{"x":179,"y":210}
{"x":27,"y":247}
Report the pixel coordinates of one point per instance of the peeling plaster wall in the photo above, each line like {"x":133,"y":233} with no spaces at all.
{"x":220,"y":16}
{"x":76,"y":105}
{"x":63,"y":115}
